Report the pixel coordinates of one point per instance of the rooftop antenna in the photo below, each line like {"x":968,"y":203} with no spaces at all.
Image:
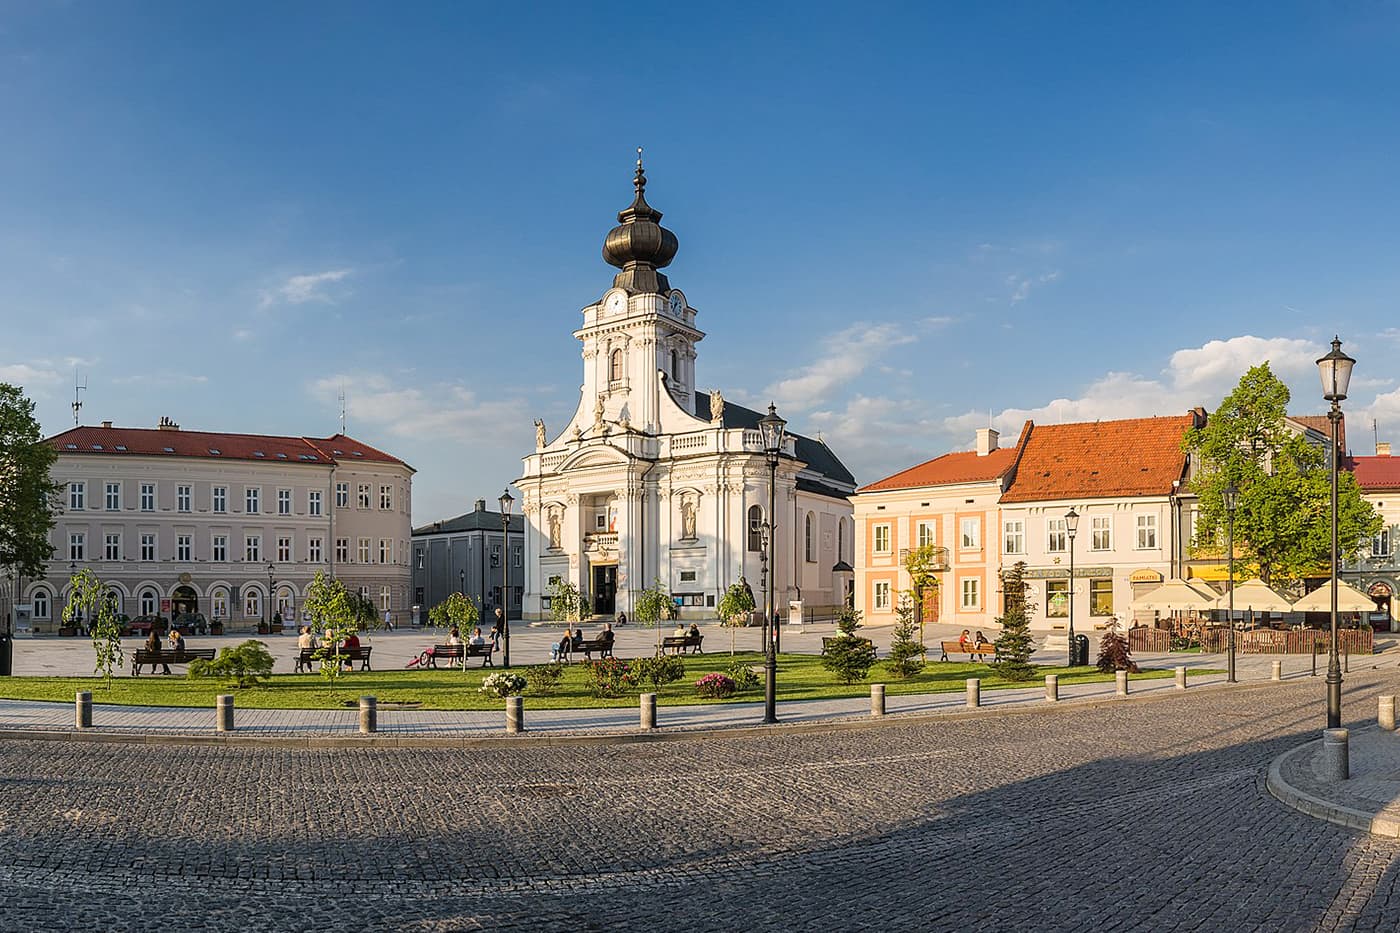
{"x":1375,"y":433}
{"x":77,"y":398}
{"x":342,"y":408}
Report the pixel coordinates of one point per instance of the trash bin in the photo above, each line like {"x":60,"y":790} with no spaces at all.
{"x":1079,"y":651}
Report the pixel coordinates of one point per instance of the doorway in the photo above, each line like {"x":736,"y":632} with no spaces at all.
{"x":184,"y":601}
{"x":605,"y":590}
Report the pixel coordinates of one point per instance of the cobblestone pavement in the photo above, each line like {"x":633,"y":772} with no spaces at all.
{"x":1119,"y":816}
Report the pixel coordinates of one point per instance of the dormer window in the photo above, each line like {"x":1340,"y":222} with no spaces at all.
{"x":615,"y":366}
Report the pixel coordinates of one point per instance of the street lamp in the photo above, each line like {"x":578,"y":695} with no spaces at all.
{"x":1335,"y":370}
{"x":1071,"y":527}
{"x":1230,"y":495}
{"x":773,"y":429}
{"x":267,"y":610}
{"x":506,"y":500}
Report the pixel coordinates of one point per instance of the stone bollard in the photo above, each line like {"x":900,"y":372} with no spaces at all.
{"x":1122,"y":678}
{"x":515,"y":715}
{"x":1181,"y":678}
{"x":82,"y":709}
{"x":877,"y":699}
{"x":1334,"y":765}
{"x":1052,"y":688}
{"x":1276,"y":671}
{"x":974,"y":692}
{"x":369,"y":715}
{"x":1386,"y":714}
{"x":223,"y":718}
{"x":648,"y":711}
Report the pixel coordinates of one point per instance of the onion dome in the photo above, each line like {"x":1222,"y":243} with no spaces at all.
{"x":639,"y":245}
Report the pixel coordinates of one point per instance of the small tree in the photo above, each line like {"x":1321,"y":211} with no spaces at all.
{"x":456,"y":610}
{"x":28,"y":496}
{"x":652,"y":606}
{"x":89,"y":596}
{"x":921,"y":564}
{"x":735,"y":609}
{"x":906,"y":652}
{"x":1114,"y":654}
{"x":1014,"y":645}
{"x":244,"y":665}
{"x":848,"y":656}
{"x":566,"y":603}
{"x":335,"y":611}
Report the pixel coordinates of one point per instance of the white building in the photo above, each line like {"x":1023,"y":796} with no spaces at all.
{"x":199,"y":522}
{"x":654,"y":480}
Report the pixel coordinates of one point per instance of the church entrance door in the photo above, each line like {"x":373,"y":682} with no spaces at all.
{"x":605,"y":590}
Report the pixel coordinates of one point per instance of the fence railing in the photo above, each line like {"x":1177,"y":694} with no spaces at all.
{"x":1257,"y":641}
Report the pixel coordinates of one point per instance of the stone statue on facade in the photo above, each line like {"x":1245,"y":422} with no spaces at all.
{"x":555,"y":529}
{"x":598,"y":410}
{"x":539,"y":434}
{"x":716,"y":407}
{"x":688,"y":520}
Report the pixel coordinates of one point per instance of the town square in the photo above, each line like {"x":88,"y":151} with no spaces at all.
{"x":924,"y":467}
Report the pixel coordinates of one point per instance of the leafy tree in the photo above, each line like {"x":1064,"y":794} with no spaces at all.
{"x":28,"y":498}
{"x":1114,"y":654}
{"x":906,"y":652}
{"x":1014,"y":644}
{"x":735,"y":609}
{"x":335,"y":611}
{"x":89,"y":596}
{"x":922,"y":563}
{"x":244,"y":665}
{"x":849,"y":656}
{"x":654,"y":604}
{"x":1282,"y":520}
{"x":457,"y":610}
{"x":566,"y":603}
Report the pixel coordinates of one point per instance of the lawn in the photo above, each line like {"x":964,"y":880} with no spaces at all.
{"x":800,"y":677}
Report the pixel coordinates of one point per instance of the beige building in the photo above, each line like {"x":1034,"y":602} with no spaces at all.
{"x":212,"y":523}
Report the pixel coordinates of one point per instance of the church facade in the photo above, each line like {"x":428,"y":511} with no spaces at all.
{"x":655,"y":481}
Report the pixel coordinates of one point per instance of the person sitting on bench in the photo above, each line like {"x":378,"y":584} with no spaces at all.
{"x":560,"y":651}
{"x":477,"y":637}
{"x":153,"y":644}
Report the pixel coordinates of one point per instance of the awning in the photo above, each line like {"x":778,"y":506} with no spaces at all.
{"x":1256,"y":596}
{"x":1174,"y":594}
{"x":1349,"y":599}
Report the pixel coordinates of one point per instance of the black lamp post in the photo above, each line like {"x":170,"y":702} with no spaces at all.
{"x":462,"y":582}
{"x":267,"y":610}
{"x":773,"y":429}
{"x":1230,"y":497}
{"x":1071,"y":528}
{"x":507,"y":500}
{"x":1335,"y":369}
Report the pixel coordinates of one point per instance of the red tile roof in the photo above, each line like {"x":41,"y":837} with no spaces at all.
{"x":963,"y":466}
{"x":208,"y":445}
{"x":1375,"y":473}
{"x":1099,"y":459}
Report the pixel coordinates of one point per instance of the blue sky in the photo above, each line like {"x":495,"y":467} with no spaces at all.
{"x":897,"y":220}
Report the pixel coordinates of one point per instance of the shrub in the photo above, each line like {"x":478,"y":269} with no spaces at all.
{"x":607,"y":677}
{"x":743,"y":675}
{"x":544,"y":678}
{"x":244,"y":665}
{"x":657,"y":671}
{"x":847,"y":621}
{"x":906,"y":650}
{"x":1113,"y":651}
{"x":504,"y":684}
{"x":849,"y":658}
{"x":1014,"y":645}
{"x":714,"y":686}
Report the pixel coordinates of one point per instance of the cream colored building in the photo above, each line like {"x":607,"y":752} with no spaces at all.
{"x":199,"y":522}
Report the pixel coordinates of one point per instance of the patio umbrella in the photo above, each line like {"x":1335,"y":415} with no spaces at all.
{"x":1174,"y":594}
{"x":1349,"y":599}
{"x":1256,"y":596}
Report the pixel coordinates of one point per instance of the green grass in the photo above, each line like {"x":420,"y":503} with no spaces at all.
{"x":800,"y":677}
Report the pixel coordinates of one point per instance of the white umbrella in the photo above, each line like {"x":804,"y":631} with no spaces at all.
{"x":1174,"y":594}
{"x":1349,"y":599}
{"x":1257,"y":596}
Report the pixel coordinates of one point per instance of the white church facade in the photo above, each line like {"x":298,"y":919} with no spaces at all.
{"x":654,"y":480}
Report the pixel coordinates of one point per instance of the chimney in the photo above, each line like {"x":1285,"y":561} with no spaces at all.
{"x":108,"y":424}
{"x":986,"y":441}
{"x":167,"y":425}
{"x":1382,"y":448}
{"x":1198,"y":417}
{"x":481,"y":505}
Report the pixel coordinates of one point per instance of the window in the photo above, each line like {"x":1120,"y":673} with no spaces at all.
{"x":687,"y":576}
{"x":384,"y":550}
{"x":418,"y":555}
{"x":252,"y":547}
{"x":882,"y":594}
{"x":386,"y":599}
{"x":148,"y":497}
{"x":284,"y":550}
{"x":518,"y":556}
{"x":1057,"y":598}
{"x":183,"y":548}
{"x":220,"y":604}
{"x":313,"y":550}
{"x":148,"y":546}
{"x":971,"y":593}
{"x":1380,"y":544}
{"x":971,"y":533}
{"x":284,"y":605}
{"x":250,"y":497}
{"x":386,"y":498}
{"x":77,"y":545}
{"x":41,"y":604}
{"x":755,"y":528}
{"x":925,"y":536}
{"x":342,"y":495}
{"x":1146,"y":532}
{"x":840,"y":539}
{"x":252,"y":604}
{"x":364,"y":495}
{"x":1015,"y":537}
{"x":220,"y":498}
{"x":1100,"y":597}
{"x":149,"y":601}
{"x":495,"y":555}
{"x":809,"y":543}
{"x":313,"y":503}
{"x":1101,"y":533}
{"x":342,"y":550}
{"x":114,"y":497}
{"x":77,"y":492}
{"x":675,"y":366}
{"x":182,"y":498}
{"x":364,"y":550}
{"x":284,"y":502}
{"x":882,"y":539}
{"x":219,"y":548}
{"x":615,"y":366}
{"x":1056,"y":535}
{"x":112,"y":547}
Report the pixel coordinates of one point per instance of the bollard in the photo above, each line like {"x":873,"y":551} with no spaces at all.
{"x":1334,"y":765}
{"x":1386,"y":715}
{"x":1052,"y":688}
{"x":223,"y":719}
{"x":1276,"y":671}
{"x":82,"y":709}
{"x":515,"y":715}
{"x":369,"y":715}
{"x":648,"y":711}
{"x":974,"y":692}
{"x":877,"y":699}
{"x":1181,"y":678}
{"x":1122,"y":678}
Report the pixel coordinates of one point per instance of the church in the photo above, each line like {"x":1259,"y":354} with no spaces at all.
{"x":653,"y":480}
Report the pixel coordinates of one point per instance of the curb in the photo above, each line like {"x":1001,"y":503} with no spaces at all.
{"x":1290,"y":796}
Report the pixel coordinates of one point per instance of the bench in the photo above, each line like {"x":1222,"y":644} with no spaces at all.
{"x":980,"y":651}
{"x":450,"y":653}
{"x":166,"y":658}
{"x":309,"y":656}
{"x":603,"y":646}
{"x":677,"y":644}
{"x":827,"y":640}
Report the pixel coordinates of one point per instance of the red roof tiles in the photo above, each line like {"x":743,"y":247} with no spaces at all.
{"x":963,"y":466}
{"x":208,"y":445}
{"x":1375,"y":473}
{"x":1131,"y":457}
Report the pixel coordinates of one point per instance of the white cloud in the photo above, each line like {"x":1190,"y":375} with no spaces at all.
{"x":27,"y":376}
{"x":300,"y":289}
{"x":242,"y":334}
{"x":1207,"y":365}
{"x":441,"y":412}
{"x":1021,"y":285}
{"x":846,"y":355}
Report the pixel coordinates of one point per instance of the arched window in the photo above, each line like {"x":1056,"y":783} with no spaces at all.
{"x":811,"y":543}
{"x":615,"y":366}
{"x":41,"y":604}
{"x":286,"y":604}
{"x":219,"y":603}
{"x":755,"y":528}
{"x":114,"y":599}
{"x":840,"y":539}
{"x":149,"y":601}
{"x":252,"y":602}
{"x":675,"y":366}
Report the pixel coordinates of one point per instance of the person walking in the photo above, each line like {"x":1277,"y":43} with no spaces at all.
{"x":498,"y":630}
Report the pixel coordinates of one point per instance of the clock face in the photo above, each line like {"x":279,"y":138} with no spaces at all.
{"x":616,"y":301}
{"x":677,"y":303}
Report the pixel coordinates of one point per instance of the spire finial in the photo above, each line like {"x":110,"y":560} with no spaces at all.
{"x":640,"y":181}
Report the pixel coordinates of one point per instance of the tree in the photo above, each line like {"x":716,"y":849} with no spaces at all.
{"x":848,"y":656}
{"x":654,"y":604}
{"x":922,"y":564}
{"x":566,"y":603}
{"x":735,"y":609}
{"x":1014,"y":645}
{"x":88,"y":595}
{"x":1114,"y":654}
{"x":28,"y":498}
{"x":906,"y":653}
{"x":336,"y":612}
{"x":1282,"y":520}
{"x":456,"y":610}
